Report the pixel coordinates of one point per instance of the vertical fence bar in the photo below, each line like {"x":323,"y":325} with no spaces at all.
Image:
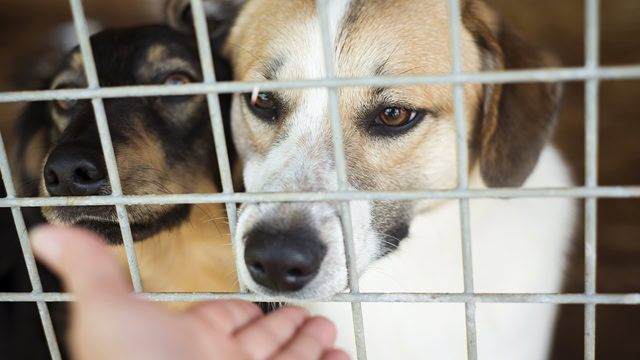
{"x":27,"y":253}
{"x":208,"y":71}
{"x":463,"y":181}
{"x":82,"y":33}
{"x":341,"y":169}
{"x":592,"y":33}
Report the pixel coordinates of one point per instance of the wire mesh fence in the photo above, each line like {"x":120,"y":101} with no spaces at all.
{"x":591,"y":73}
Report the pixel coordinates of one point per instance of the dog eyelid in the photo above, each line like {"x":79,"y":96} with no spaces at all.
{"x":177,"y":78}
{"x":376,"y":125}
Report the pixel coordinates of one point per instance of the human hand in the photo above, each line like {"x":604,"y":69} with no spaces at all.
{"x":108,"y":322}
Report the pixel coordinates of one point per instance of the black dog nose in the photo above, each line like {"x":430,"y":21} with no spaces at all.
{"x":74,"y":171}
{"x":284,"y":261}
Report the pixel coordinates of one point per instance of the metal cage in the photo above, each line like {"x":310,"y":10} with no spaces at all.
{"x":591,"y":73}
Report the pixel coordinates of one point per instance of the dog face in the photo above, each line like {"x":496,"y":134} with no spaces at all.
{"x":395,"y":138}
{"x":162,"y":144}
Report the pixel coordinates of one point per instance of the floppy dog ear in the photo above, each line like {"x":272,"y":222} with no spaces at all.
{"x":220,"y":16}
{"x":516,"y":119}
{"x":9,"y":238}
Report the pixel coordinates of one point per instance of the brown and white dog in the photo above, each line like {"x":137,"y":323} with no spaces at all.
{"x":400,"y":138}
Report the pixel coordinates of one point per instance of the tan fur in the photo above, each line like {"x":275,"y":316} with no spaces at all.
{"x":195,"y":257}
{"x":76,"y":61}
{"x":157,"y":53}
{"x":31,"y":163}
{"x":159,"y":59}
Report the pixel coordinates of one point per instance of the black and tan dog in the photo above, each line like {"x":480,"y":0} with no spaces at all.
{"x":163,"y":145}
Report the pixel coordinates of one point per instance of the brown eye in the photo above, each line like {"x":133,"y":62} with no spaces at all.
{"x":395,"y":116}
{"x":264,"y":101}
{"x":66,"y":104}
{"x":177,"y":79}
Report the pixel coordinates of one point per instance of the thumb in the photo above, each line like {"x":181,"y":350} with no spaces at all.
{"x":81,"y":259}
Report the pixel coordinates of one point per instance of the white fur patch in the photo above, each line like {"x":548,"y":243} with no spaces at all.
{"x":519,"y":246}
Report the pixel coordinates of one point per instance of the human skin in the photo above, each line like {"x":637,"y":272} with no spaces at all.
{"x":109,"y":322}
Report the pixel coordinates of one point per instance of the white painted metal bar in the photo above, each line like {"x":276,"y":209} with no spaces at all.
{"x":619,"y":192}
{"x":455,"y":20}
{"x":592,"y":48}
{"x":341,"y":170}
{"x":624,"y":72}
{"x":82,"y":33}
{"x":603,"y":299}
{"x":208,"y":71}
{"x":27,"y":253}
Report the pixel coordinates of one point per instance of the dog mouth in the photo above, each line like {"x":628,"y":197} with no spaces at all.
{"x":301,"y":295}
{"x":103,"y":220}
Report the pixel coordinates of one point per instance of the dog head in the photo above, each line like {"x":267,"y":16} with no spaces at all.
{"x":162,"y":144}
{"x":395,"y":138}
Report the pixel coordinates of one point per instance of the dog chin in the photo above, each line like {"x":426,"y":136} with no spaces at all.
{"x":106,"y":228}
{"x":103,"y":221}
{"x":103,"y":226}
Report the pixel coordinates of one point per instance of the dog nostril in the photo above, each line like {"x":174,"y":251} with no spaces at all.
{"x":294,"y":275}
{"x":86,"y":175}
{"x":257,"y":269}
{"x":50,"y":178}
{"x":82,"y":174}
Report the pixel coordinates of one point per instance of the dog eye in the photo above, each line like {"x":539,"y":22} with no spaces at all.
{"x":177,"y":79}
{"x":395,"y":116}
{"x":264,"y":105}
{"x":264,"y":101}
{"x":65,"y":104}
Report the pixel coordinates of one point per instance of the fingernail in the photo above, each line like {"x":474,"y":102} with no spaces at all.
{"x":46,"y":244}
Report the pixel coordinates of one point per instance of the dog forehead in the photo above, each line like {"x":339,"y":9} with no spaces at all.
{"x":388,"y":38}
{"x":369,"y":37}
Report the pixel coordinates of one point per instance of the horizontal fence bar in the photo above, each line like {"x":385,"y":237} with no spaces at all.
{"x":503,"y":193}
{"x":601,"y":299}
{"x":625,"y":72}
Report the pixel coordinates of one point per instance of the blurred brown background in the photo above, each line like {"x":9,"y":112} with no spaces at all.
{"x":27,"y":32}
{"x":559,"y":26}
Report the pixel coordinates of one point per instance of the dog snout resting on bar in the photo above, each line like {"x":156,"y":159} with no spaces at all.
{"x":397,"y":138}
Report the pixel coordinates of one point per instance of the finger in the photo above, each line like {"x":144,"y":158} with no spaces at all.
{"x":263,"y":337}
{"x":81,"y":259}
{"x":225,"y":316}
{"x":334,"y":354}
{"x":314,"y":337}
